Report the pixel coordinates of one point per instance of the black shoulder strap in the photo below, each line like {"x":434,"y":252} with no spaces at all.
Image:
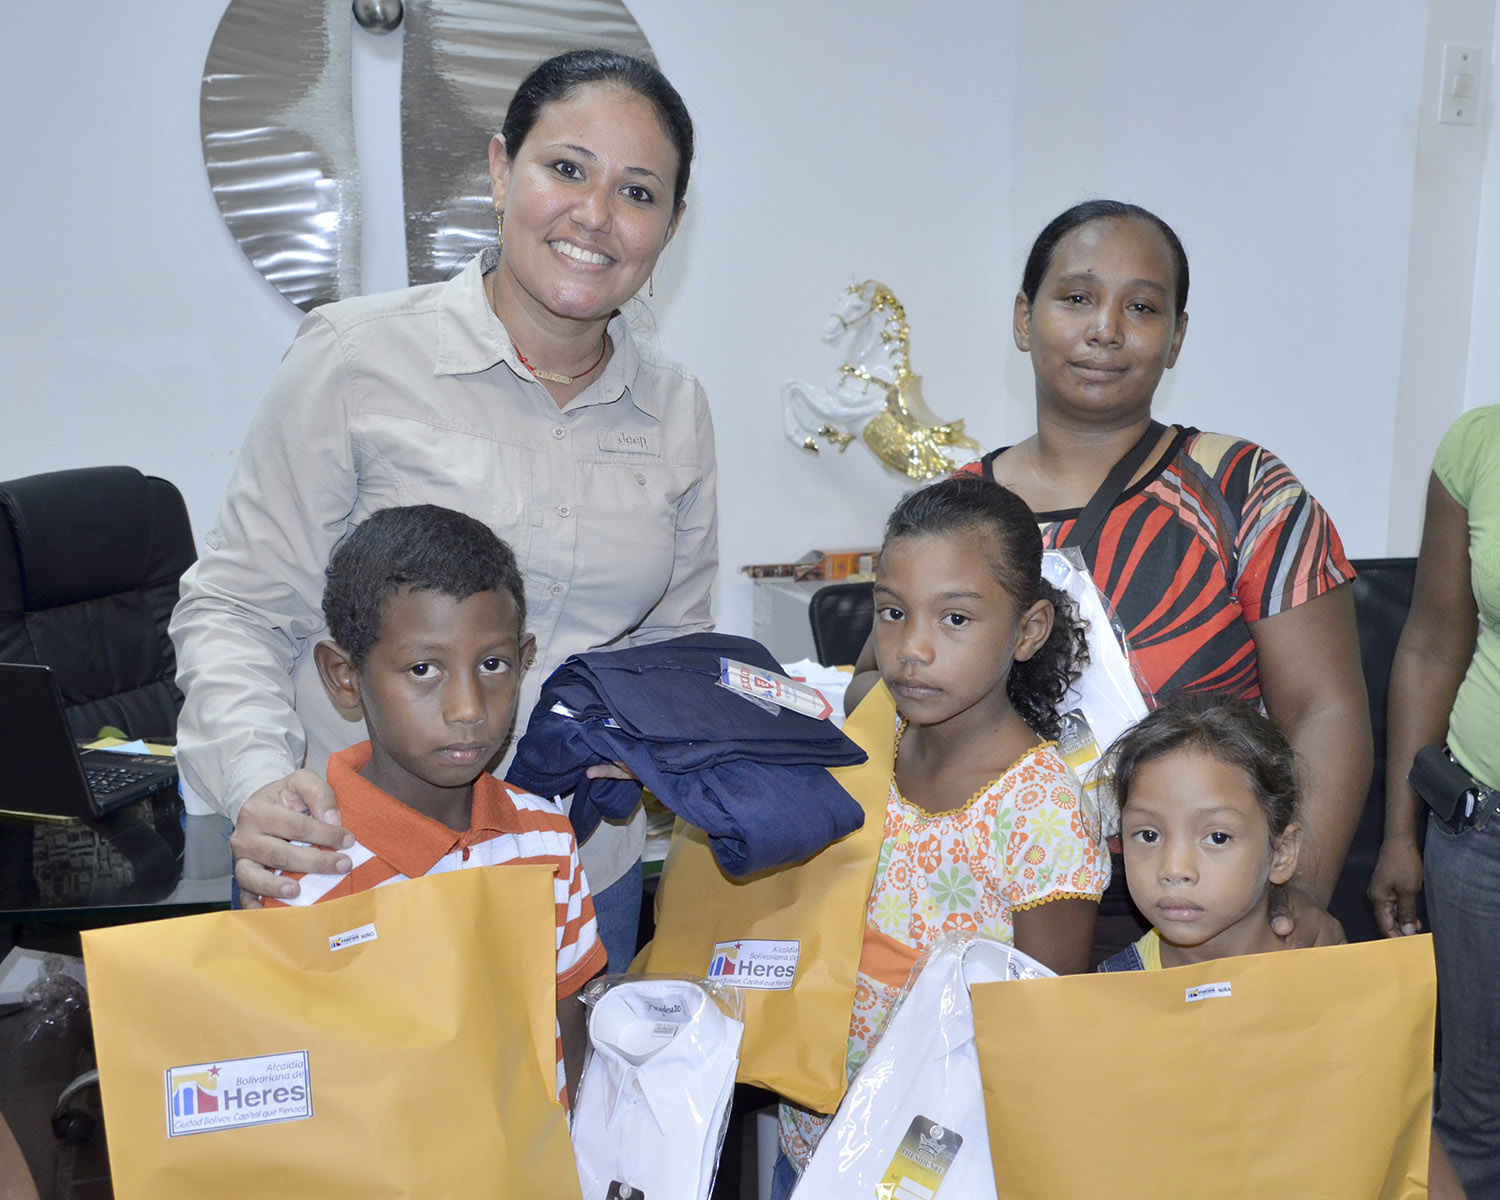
{"x":1085,"y":531}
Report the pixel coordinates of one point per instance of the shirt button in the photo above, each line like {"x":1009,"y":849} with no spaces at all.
{"x":640,"y":478}
{"x":564,"y":510}
{"x":558,"y":589}
{"x":559,"y":433}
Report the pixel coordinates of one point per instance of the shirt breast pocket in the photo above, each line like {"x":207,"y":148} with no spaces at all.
{"x":403,"y":461}
{"x":630,"y":515}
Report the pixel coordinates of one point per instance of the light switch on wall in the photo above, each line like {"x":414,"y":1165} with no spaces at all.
{"x":1460,"y":99}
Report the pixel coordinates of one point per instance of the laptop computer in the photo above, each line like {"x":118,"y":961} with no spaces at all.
{"x":44,"y":774}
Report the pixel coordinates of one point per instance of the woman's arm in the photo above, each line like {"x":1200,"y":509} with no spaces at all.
{"x":249,"y":607}
{"x":1436,"y":646}
{"x":1059,"y":933}
{"x":1314,"y":689}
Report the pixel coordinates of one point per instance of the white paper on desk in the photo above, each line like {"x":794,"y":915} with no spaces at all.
{"x":23,"y":967}
{"x":135,"y":747}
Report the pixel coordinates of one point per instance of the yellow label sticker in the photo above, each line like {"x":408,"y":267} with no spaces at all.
{"x":1075,"y":739}
{"x":920,"y":1162}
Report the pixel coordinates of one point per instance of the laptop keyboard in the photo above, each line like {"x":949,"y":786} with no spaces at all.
{"x":105,"y":781}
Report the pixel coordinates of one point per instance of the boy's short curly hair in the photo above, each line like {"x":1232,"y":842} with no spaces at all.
{"x":423,"y":547}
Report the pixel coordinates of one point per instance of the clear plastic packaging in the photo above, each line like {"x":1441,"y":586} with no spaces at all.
{"x":56,"y":1003}
{"x":913,"y":1120}
{"x":1109,"y":697}
{"x":653,"y":1103}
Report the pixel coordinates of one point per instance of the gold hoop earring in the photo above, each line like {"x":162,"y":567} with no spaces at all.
{"x":499,"y":227}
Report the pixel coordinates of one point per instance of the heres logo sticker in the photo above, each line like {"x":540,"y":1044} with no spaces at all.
{"x":766,"y":965}
{"x":234,"y":1093}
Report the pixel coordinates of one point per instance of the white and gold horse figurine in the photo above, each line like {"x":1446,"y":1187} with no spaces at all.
{"x":875,"y":394}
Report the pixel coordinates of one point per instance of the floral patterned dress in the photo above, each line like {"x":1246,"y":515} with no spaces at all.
{"x":1031,"y":836}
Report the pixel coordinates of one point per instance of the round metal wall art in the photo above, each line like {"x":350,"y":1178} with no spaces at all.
{"x":277,"y":122}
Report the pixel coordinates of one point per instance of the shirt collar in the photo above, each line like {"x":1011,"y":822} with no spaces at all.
{"x":471,"y":340}
{"x":621,"y":1016}
{"x":409,"y":841}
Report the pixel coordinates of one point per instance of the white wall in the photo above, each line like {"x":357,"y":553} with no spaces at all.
{"x":839,"y":141}
{"x":134,"y":330}
{"x":1278,"y":140}
{"x":1444,"y":273}
{"x":1483,"y":382}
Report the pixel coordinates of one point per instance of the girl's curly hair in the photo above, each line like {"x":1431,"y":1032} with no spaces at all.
{"x":962,"y":503}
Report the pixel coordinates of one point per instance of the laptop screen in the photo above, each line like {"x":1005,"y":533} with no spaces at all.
{"x":41,"y":774}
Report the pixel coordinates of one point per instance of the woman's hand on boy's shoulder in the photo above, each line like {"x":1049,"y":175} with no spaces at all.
{"x":1300,"y":921}
{"x":298,"y":808}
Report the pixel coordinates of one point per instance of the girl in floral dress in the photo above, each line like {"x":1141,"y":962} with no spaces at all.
{"x":987,"y":830}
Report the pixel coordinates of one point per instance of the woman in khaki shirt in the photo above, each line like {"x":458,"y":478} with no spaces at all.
{"x":513,"y":392}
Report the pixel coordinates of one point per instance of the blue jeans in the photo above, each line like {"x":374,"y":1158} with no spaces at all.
{"x":1462,"y":884}
{"x":783,"y":1178}
{"x":617,"y":909}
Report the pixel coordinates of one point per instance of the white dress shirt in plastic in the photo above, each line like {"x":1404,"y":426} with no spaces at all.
{"x":655,"y":1095}
{"x":913,"y":1119}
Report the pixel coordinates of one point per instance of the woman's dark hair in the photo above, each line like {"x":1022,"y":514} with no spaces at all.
{"x":423,"y":547}
{"x":964,"y":503}
{"x":559,"y":77}
{"x":1231,"y":731}
{"x":1040,"y":258}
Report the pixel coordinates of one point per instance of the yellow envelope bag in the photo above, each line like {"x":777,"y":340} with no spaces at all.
{"x":395,"y":1043}
{"x":791,"y":936}
{"x":1304,"y":1073}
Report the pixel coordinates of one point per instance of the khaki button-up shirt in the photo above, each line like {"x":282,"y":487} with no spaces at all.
{"x":418,"y":397}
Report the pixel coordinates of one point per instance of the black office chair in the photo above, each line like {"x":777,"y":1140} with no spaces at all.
{"x":1382,"y":596}
{"x":842,"y":615}
{"x":89,"y":566}
{"x":90,"y":561}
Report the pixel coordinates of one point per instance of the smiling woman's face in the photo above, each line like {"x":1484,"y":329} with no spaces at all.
{"x":587,"y":203}
{"x":1103,"y":326}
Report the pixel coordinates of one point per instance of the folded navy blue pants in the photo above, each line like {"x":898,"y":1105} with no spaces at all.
{"x":753,"y":780}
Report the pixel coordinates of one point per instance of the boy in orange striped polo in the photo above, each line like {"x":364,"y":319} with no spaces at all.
{"x":427,"y":612}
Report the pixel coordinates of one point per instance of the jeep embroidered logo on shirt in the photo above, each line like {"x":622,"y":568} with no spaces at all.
{"x":629,"y":442}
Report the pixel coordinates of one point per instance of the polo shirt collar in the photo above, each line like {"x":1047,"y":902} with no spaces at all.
{"x":471,"y":340}
{"x":409,"y":841}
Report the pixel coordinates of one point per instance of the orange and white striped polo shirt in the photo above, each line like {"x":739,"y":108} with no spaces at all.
{"x":393,"y":843}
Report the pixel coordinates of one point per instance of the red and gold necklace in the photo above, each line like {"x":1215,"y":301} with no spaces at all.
{"x":556,"y":377}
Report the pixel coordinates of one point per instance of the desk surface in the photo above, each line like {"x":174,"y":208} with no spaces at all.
{"x":146,"y":861}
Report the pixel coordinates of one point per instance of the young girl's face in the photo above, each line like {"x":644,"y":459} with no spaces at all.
{"x":946,"y":631}
{"x":1200,"y":858}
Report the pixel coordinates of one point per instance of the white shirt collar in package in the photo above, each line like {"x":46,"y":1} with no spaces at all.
{"x":652,"y":1102}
